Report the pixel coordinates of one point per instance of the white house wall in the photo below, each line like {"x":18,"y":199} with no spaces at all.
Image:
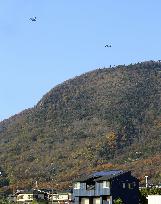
{"x":154,"y":199}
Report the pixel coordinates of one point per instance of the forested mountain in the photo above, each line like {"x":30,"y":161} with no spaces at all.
{"x":109,"y":118}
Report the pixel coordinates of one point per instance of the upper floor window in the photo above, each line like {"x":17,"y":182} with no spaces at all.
{"x":90,"y":184}
{"x":132,"y":185}
{"x":77,"y":185}
{"x":106,"y":184}
{"x":124,"y":185}
{"x":129,"y":186}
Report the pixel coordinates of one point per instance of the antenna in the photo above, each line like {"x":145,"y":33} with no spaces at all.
{"x":146,"y":181}
{"x":36,"y":185}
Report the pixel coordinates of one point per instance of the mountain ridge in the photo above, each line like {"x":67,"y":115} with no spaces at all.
{"x":106,"y":118}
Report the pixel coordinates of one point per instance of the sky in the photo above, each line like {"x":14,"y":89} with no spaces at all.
{"x":67,"y":40}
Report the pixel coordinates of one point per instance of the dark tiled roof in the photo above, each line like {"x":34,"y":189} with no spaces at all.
{"x":24,"y":192}
{"x":107,"y":173}
{"x":102,"y":175}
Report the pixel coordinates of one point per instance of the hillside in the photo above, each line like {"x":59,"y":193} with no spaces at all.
{"x":107,"y":118}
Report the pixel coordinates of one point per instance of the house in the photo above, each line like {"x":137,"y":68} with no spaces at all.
{"x":41,"y":194}
{"x":12,"y":198}
{"x":154,"y":199}
{"x":61,"y":197}
{"x":106,"y":186}
{"x":24,"y":197}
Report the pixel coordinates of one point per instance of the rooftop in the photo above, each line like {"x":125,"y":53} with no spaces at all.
{"x":101,"y":175}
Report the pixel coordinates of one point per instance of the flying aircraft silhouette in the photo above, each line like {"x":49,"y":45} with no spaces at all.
{"x":108,"y":46}
{"x":33,"y":19}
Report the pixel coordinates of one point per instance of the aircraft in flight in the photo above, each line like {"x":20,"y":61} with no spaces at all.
{"x":108,"y":46}
{"x":33,"y":19}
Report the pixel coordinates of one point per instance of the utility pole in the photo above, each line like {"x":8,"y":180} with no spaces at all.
{"x":36,"y":185}
{"x":146,"y":181}
{"x":52,"y":192}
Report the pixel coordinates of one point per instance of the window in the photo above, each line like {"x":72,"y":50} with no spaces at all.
{"x":30,"y":196}
{"x":130,"y":185}
{"x":77,"y":185}
{"x":90,"y":185}
{"x":124,"y":185}
{"x":106,"y":184}
{"x":20,"y":196}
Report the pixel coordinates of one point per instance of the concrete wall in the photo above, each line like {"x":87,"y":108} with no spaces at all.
{"x":154,"y":199}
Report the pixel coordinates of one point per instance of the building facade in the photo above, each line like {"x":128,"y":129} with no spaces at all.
{"x":24,"y":197}
{"x":106,"y":186}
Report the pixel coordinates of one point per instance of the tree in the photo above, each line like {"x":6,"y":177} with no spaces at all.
{"x":118,"y":201}
{"x":144,"y":192}
{"x":4,"y":201}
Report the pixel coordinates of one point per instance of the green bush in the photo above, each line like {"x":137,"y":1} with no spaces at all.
{"x":118,"y":201}
{"x":4,"y":201}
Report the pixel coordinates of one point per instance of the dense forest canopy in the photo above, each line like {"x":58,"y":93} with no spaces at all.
{"x":105,"y":119}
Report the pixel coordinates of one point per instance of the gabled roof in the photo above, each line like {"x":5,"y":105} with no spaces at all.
{"x":107,"y":173}
{"x":24,"y":192}
{"x":110,"y":176}
{"x":102,"y":175}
